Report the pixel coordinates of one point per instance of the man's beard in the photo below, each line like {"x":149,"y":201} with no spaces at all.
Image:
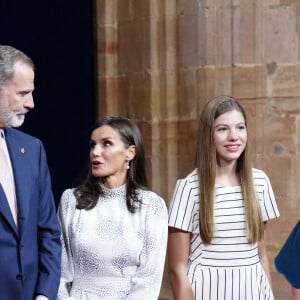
{"x":8,"y":117}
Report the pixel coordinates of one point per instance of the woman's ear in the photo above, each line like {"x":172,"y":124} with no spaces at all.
{"x":131,"y":152}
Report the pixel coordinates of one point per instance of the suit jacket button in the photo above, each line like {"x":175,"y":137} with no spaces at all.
{"x":19,"y":276}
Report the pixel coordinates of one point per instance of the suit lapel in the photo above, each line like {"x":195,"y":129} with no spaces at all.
{"x":5,"y":210}
{"x":19,"y":161}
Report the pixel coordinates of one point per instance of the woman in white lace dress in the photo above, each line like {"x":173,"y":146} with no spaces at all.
{"x":218,"y":213}
{"x":114,"y":230}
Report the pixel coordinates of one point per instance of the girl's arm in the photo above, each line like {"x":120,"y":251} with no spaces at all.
{"x":263,"y":257}
{"x":178,"y":254}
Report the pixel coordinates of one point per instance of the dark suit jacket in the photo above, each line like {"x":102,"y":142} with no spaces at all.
{"x":30,"y":254}
{"x":287,"y":261}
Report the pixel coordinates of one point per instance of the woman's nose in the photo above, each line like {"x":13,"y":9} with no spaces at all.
{"x":96,"y":150}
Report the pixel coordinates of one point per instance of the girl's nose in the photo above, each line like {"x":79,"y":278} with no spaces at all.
{"x":233,"y":134}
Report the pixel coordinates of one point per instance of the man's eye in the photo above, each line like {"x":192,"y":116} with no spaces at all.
{"x":23,"y":94}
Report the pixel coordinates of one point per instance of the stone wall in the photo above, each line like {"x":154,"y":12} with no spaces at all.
{"x":159,"y":61}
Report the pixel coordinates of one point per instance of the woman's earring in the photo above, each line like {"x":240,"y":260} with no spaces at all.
{"x":128,"y":165}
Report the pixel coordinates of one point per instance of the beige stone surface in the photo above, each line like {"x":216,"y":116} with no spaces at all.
{"x":159,"y":61}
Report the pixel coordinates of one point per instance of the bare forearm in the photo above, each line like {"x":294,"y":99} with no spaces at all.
{"x":266,"y":267}
{"x":178,"y":254}
{"x":264,"y":260}
{"x":181,"y":287}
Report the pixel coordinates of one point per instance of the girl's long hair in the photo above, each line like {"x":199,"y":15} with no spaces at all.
{"x":206,"y":164}
{"x":88,"y":191}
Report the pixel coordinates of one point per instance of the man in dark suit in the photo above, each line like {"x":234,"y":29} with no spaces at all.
{"x":30,"y":248}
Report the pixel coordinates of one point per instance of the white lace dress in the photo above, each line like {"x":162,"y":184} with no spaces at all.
{"x":110,"y":253}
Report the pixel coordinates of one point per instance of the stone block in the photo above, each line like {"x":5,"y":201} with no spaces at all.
{"x":187,"y":94}
{"x":124,"y":11}
{"x":289,"y":2}
{"x":249,"y":81}
{"x":244,"y":25}
{"x":134,"y":48}
{"x":280,"y":37}
{"x":285,"y":83}
{"x":188,"y":46}
{"x":213,"y":81}
{"x":279,"y":136}
{"x":218,"y":36}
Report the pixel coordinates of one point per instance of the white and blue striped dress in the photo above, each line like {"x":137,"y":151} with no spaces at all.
{"x":229,"y":267}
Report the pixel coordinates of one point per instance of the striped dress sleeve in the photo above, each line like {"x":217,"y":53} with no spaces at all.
{"x":183,"y":207}
{"x":266,"y":195}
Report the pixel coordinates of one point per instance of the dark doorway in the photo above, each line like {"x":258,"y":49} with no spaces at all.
{"x":58,"y":36}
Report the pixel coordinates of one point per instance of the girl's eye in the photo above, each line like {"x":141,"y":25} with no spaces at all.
{"x":242,"y":127}
{"x":222,"y":129}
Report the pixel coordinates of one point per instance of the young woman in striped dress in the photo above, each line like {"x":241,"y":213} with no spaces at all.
{"x":218,"y":214}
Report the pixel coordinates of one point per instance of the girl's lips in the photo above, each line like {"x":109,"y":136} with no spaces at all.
{"x":232,"y":147}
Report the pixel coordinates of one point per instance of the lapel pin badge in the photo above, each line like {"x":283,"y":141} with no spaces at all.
{"x":22,"y":150}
